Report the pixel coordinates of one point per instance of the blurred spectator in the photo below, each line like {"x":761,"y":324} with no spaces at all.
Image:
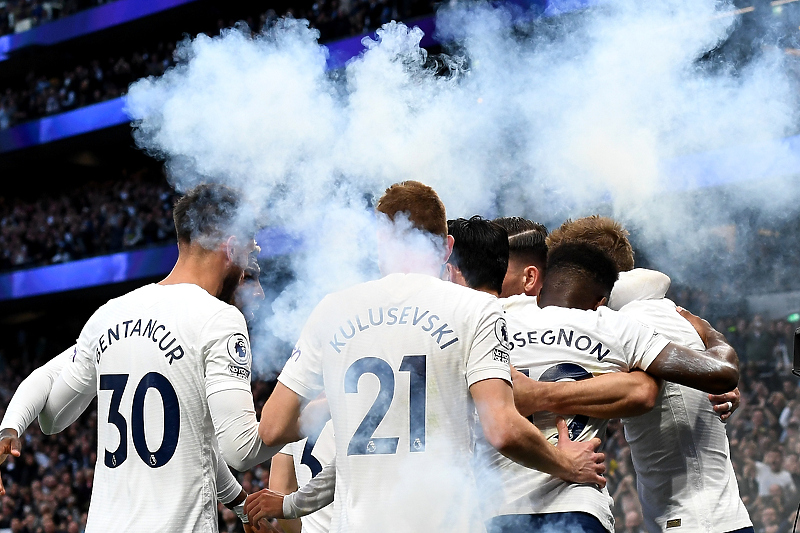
{"x":97,"y":81}
{"x":93,"y":219}
{"x":770,"y":473}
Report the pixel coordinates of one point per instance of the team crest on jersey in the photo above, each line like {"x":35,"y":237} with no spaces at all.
{"x":238,"y":349}
{"x":501,"y":331}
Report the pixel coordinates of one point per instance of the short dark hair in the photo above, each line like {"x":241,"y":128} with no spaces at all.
{"x":515,"y":225}
{"x":526,"y":239}
{"x":419,"y":202}
{"x":480,"y":252}
{"x":585,"y":261}
{"x":210,"y":213}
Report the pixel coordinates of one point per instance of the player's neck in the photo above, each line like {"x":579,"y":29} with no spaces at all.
{"x":205,"y":270}
{"x":488,"y":291}
{"x":573,"y":297}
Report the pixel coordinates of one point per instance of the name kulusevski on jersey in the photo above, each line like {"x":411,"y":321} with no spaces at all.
{"x":396,"y":358}
{"x":555,"y":344}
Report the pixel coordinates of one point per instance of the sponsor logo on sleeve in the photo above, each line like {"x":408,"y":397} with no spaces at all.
{"x":296,"y":353}
{"x":501,"y":331}
{"x":501,"y":356}
{"x":239,"y":349}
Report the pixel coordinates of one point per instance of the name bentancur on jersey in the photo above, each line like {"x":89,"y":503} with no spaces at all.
{"x":394,"y":316}
{"x":151,"y":330}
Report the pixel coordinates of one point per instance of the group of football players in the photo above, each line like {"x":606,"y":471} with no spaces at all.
{"x":452,"y":394}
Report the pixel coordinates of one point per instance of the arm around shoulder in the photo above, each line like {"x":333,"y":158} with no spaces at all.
{"x":714,"y":370}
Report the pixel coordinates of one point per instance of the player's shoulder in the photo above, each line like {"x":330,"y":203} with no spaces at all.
{"x":193,"y":303}
{"x":519,"y":303}
{"x":405,"y":284}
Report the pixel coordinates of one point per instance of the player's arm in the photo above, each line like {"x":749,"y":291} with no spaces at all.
{"x":63,"y":407}
{"x":225,"y":349}
{"x":519,"y":440}
{"x":714,"y":370}
{"x":280,"y":417}
{"x":28,"y":401}
{"x":283,"y":480}
{"x":31,"y":395}
{"x":607,"y":396}
{"x":73,"y":390}
{"x":229,"y":492}
{"x":309,"y":498}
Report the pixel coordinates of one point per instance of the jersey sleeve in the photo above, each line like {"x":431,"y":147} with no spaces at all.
{"x":302,"y":373}
{"x":226,"y":353}
{"x":31,"y":395}
{"x":288,"y":449}
{"x":640,"y":344}
{"x":488,"y":355}
{"x":81,"y":373}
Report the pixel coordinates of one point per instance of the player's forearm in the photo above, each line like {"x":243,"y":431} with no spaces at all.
{"x":714,"y":370}
{"x":613,"y":395}
{"x":312,"y":496}
{"x":229,"y":491}
{"x":237,"y":429}
{"x":523,"y":443}
{"x":28,"y":401}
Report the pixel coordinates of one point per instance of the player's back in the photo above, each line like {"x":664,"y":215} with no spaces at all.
{"x":680,"y":448}
{"x":562,"y":344}
{"x":398,"y":357}
{"x":156,"y":467}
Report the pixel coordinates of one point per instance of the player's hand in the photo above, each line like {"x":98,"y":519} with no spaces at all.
{"x":9,"y":445}
{"x":701,"y":326}
{"x":264,"y":504}
{"x":587,"y":464}
{"x":725,"y":404}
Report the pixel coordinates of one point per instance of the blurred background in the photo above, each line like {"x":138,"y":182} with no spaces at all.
{"x":85,"y":216}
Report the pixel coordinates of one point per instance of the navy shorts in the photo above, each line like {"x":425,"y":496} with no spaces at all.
{"x":576,"y":522}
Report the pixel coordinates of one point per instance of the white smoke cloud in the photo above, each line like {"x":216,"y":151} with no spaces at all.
{"x":547,"y":120}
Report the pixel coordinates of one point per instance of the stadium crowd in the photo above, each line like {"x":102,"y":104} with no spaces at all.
{"x":94,"y":219}
{"x":50,"y":484}
{"x":21,"y":15}
{"x":44,"y":94}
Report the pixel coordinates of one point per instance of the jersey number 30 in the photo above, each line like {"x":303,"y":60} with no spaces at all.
{"x":172,"y":419}
{"x":363,"y":443}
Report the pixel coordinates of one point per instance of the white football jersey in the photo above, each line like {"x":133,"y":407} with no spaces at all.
{"x":680,"y":448}
{"x":153,"y":356}
{"x":396,"y":358}
{"x":310,"y":455}
{"x":562,"y":344}
{"x":31,"y":395}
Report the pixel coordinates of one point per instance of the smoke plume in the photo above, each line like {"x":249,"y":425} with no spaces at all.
{"x":546,"y":118}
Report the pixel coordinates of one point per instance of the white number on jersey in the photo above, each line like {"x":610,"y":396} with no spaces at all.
{"x":362,"y":442}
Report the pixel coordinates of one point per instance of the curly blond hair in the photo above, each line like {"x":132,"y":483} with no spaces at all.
{"x":604,"y":232}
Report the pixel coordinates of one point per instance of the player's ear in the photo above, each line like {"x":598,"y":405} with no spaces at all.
{"x":231,"y":248}
{"x":530,"y":278}
{"x":448,"y":248}
{"x":603,"y":301}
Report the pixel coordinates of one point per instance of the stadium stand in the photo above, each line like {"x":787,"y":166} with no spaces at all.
{"x":101,"y":197}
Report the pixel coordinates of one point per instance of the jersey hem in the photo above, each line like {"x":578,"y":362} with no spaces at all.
{"x":654,"y":352}
{"x":298,"y":388}
{"x":488,"y":373}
